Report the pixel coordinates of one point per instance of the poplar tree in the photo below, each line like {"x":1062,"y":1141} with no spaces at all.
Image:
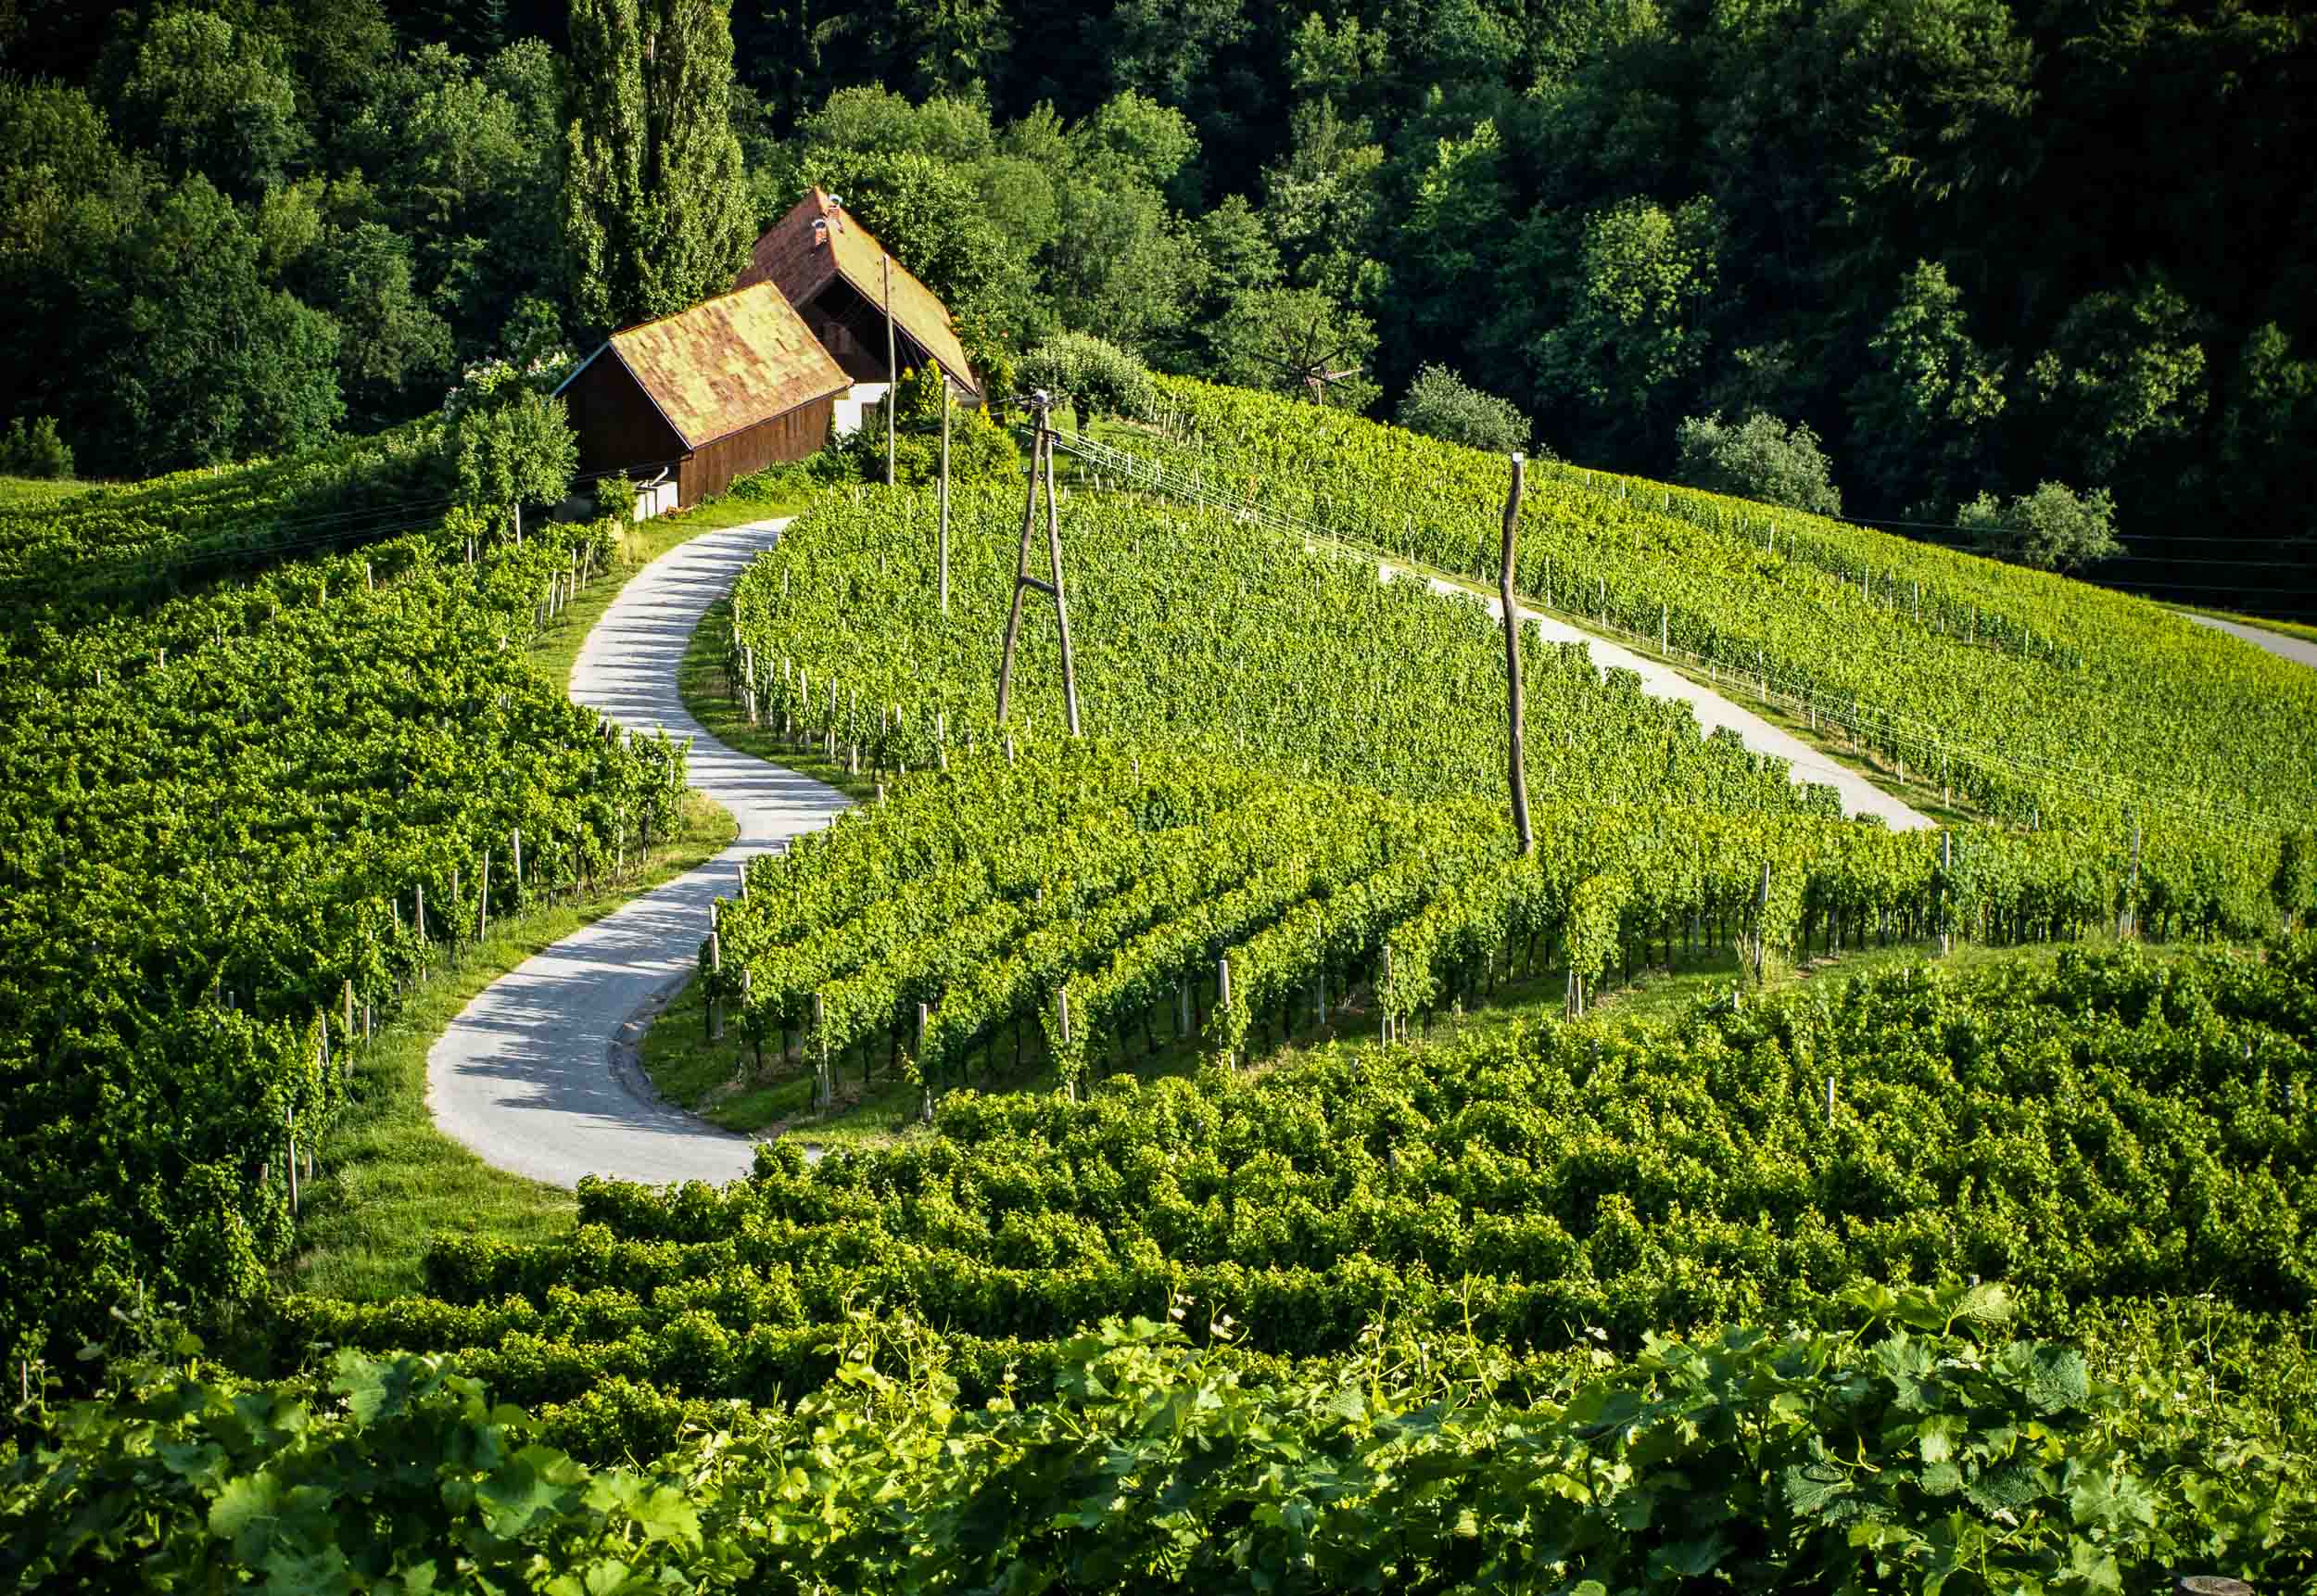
{"x":655,"y":212}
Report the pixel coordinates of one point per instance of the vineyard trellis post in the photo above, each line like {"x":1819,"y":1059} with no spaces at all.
{"x":943,"y":494}
{"x":1946,"y":877}
{"x":1041,"y":462}
{"x":1517,"y":772}
{"x":893,"y":376}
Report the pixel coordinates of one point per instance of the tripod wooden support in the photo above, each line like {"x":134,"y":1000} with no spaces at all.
{"x":1041,"y":463}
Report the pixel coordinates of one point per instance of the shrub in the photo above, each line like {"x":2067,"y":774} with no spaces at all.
{"x":1094,"y":377}
{"x":1760,"y":458}
{"x":2052,"y":529}
{"x":34,"y":449}
{"x":1441,"y":404}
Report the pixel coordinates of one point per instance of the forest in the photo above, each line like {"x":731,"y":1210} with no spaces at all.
{"x":1945,"y":253}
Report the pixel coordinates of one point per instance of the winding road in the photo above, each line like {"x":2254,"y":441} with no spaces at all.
{"x":530,"y":1074}
{"x":536,"y":1076}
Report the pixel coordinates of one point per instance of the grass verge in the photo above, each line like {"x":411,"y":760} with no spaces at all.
{"x":701,"y":683}
{"x":390,"y":1178}
{"x":39,"y":493}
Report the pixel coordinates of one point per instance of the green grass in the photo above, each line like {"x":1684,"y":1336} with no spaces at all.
{"x":719,"y":1081}
{"x":38,"y":493}
{"x":2290,"y":629}
{"x":701,"y":682}
{"x":390,"y":1178}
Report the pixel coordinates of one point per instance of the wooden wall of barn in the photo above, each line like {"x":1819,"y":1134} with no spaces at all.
{"x":618,"y":426}
{"x":783,"y":438}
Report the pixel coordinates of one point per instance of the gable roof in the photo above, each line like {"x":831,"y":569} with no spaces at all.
{"x":800,"y":263}
{"x":724,"y":364}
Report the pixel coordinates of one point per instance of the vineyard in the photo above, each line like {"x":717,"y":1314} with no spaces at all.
{"x":134,"y":543}
{"x":1104,"y":897}
{"x":2038,"y":697}
{"x":237,"y":825}
{"x":1910,"y":1273}
{"x":1756,"y":1164}
{"x":1195,"y":632}
{"x":1516,"y":1228}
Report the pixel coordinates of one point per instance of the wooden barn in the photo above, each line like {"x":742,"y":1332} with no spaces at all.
{"x":834,"y":272}
{"x":731,"y":385}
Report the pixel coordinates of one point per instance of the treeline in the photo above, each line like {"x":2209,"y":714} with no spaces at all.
{"x":1972,"y":245}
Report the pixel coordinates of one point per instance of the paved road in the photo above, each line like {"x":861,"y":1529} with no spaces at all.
{"x":525,"y":1075}
{"x":528,"y":1074}
{"x":2296,"y":649}
{"x":1859,"y":796}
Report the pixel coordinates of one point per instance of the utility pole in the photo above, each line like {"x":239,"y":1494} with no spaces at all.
{"x":892,"y":373}
{"x":944,"y":496}
{"x":1041,"y":462}
{"x":1512,"y":655}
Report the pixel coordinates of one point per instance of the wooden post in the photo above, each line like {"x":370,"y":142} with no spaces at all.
{"x":518,"y":864}
{"x":944,"y":497}
{"x":289,"y":1118}
{"x":1041,"y":461}
{"x":824,"y":1081}
{"x":1947,"y":866}
{"x":1762,"y":920}
{"x":2132,"y":891}
{"x":892,"y":374}
{"x":715,"y":968}
{"x":1061,"y":600}
{"x":1022,"y":571}
{"x":1518,"y":769}
{"x":483,"y":899}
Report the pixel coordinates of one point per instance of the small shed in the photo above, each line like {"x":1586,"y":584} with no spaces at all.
{"x":731,"y":385}
{"x":833,"y":271}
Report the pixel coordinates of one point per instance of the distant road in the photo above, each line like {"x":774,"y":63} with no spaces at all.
{"x":1859,"y":796}
{"x":2295,"y":649}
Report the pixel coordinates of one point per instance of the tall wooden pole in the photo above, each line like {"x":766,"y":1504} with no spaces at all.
{"x":944,"y":496}
{"x":1021,"y":569}
{"x":1061,"y":603}
{"x":892,"y":373}
{"x":1512,"y":656}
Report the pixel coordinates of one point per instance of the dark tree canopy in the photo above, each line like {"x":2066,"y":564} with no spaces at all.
{"x":1970,"y":244}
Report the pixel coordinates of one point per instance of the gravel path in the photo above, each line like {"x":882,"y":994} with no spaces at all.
{"x":530,"y":1074}
{"x":1859,"y":796}
{"x":537,"y":1076}
{"x":2298,"y":650}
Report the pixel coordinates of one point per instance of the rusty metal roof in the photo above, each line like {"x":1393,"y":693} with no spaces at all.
{"x":801,"y":261}
{"x":728,"y":363}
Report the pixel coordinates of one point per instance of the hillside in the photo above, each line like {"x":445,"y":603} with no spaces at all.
{"x":1853,"y":1174}
{"x":2034,"y":695}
